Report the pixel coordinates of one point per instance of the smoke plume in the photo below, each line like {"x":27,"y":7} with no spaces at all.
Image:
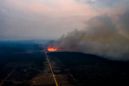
{"x":104,"y":35}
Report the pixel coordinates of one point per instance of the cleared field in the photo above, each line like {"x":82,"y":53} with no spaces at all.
{"x":20,"y":63}
{"x":21,"y":71}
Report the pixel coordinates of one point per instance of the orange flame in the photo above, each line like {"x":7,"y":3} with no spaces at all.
{"x":52,"y":49}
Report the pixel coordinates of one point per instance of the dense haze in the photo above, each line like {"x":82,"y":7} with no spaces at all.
{"x":92,"y":26}
{"x":50,"y":19}
{"x":41,"y":19}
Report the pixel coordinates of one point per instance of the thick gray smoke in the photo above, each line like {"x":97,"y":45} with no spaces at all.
{"x":104,"y":35}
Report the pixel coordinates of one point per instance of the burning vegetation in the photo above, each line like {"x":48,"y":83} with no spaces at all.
{"x":52,"y":49}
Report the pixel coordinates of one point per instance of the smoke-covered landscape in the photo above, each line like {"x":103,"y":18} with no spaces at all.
{"x":64,"y":42}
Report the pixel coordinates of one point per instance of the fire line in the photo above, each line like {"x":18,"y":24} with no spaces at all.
{"x":52,"y":49}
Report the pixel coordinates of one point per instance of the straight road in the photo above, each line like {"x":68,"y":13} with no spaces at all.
{"x":51,"y":69}
{"x":60,"y":79}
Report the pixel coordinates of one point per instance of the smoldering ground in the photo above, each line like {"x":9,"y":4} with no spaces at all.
{"x":104,"y":35}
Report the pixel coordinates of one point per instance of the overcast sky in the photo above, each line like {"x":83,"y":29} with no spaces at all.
{"x":50,"y":19}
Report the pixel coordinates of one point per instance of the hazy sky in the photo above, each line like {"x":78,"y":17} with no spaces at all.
{"x":50,"y":19}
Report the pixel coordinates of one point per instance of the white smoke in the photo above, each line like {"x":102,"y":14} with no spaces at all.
{"x":104,"y":35}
